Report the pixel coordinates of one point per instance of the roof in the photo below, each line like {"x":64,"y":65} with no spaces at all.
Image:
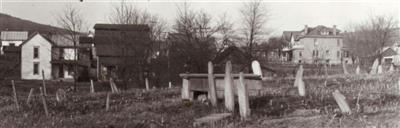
{"x":86,"y":40}
{"x":62,"y":40}
{"x":389,"y":52}
{"x":311,"y":31}
{"x":33,"y":35}
{"x":14,"y":35}
{"x":122,"y":27}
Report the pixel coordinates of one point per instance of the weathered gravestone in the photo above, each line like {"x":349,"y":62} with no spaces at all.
{"x":301,"y":87}
{"x":345,"y":68}
{"x":391,"y":69}
{"x":255,"y":65}
{"x":60,"y":95}
{"x":211,"y":84}
{"x":228,"y":91}
{"x":341,"y":101}
{"x":91,"y":86}
{"x":358,"y":70}
{"x":374,"y":67}
{"x":299,"y":76}
{"x":243,"y":97}
{"x":380,"y":70}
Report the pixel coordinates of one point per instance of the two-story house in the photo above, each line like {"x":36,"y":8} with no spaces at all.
{"x":318,"y":44}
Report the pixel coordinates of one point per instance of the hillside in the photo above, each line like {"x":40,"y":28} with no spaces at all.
{"x":11,"y":23}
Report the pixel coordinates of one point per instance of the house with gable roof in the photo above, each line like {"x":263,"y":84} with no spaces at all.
{"x":318,"y":44}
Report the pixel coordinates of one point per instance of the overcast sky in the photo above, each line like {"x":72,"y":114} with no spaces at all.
{"x":285,"y":15}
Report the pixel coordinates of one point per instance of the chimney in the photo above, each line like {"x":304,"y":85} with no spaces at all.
{"x":305,"y":29}
{"x":90,"y":34}
{"x":334,"y":30}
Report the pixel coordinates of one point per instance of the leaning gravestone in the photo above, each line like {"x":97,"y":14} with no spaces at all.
{"x":301,"y":87}
{"x":341,"y":101}
{"x":255,"y":65}
{"x":374,"y":67}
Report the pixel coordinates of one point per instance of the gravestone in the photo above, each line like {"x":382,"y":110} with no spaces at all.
{"x":299,"y":75}
{"x":301,"y":87}
{"x":374,"y":67}
{"x":341,"y":101}
{"x":345,"y":68}
{"x":60,"y":95}
{"x":380,"y":70}
{"x":358,"y":70}
{"x":243,"y":97}
{"x":186,"y":90}
{"x":146,"y":80}
{"x":211,"y":85}
{"x":255,"y":65}
{"x":91,"y":86}
{"x":391,"y":69}
{"x":169,"y":85}
{"x":228,"y":91}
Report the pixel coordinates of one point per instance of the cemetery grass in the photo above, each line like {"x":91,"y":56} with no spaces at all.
{"x":374,"y":101}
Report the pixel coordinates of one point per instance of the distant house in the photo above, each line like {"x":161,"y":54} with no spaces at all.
{"x":115,"y":42}
{"x":318,"y":44}
{"x":12,"y":38}
{"x":35,"y":57}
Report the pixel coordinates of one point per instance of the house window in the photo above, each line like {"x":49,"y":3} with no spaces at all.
{"x":338,"y":42}
{"x":12,"y":44}
{"x":327,"y":52}
{"x":35,"y":68}
{"x":300,"y":54}
{"x":35,"y":52}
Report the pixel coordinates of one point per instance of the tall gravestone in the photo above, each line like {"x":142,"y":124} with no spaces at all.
{"x":341,"y":101}
{"x":358,"y":70}
{"x":211,"y":85}
{"x":228,"y":89}
{"x":380,"y":70}
{"x":243,"y":97}
{"x":299,"y":75}
{"x":344,"y":68}
{"x":301,"y":88}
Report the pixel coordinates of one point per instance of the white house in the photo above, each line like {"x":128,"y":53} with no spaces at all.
{"x":12,"y":38}
{"x":35,"y":57}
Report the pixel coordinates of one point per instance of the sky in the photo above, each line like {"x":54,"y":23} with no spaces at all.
{"x":285,"y":15}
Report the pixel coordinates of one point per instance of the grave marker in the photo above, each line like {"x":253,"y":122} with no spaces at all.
{"x":186,"y":89}
{"x":146,"y":80}
{"x":255,"y":65}
{"x":60,"y":95}
{"x":91,"y":86}
{"x":301,"y":87}
{"x":391,"y":69}
{"x":169,"y":84}
{"x":211,"y":84}
{"x":299,"y":75}
{"x":228,"y":91}
{"x":380,"y":70}
{"x":108,"y":102}
{"x":243,"y":97}
{"x":341,"y":101}
{"x":374,"y":67}
{"x":358,"y":70}
{"x":345,"y":69}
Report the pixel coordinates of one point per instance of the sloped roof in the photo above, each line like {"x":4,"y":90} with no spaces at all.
{"x":62,"y":40}
{"x":389,"y":52}
{"x":33,"y":35}
{"x":14,"y":35}
{"x":318,"y":29}
{"x":122,"y":27}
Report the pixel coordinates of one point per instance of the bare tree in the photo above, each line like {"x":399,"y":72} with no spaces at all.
{"x":368,"y":39}
{"x":254,"y":15}
{"x":226,"y":31}
{"x":73,"y":22}
{"x":127,"y":13}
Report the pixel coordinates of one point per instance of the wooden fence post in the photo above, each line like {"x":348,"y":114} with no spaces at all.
{"x":91,"y":86}
{"x":29,"y":96}
{"x":211,"y":84}
{"x":44,"y":101}
{"x":44,"y":84}
{"x":228,"y":91}
{"x":341,"y":101}
{"x":15,"y":95}
{"x":108,"y":102}
{"x":243,"y":97}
